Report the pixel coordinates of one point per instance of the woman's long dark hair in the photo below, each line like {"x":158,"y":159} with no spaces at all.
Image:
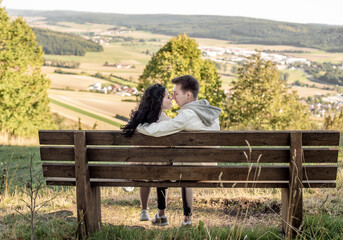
{"x":148,"y":111}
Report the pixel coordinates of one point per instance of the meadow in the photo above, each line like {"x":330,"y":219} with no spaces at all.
{"x":218,"y":213}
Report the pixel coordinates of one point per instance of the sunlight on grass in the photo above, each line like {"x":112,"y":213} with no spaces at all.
{"x":218,"y":213}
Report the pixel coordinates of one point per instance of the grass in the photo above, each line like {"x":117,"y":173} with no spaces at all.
{"x":93,"y":62}
{"x":198,"y":232}
{"x":321,"y":56}
{"x":297,"y":75}
{"x":123,"y":82}
{"x":78,"y":110}
{"x":218,"y":213}
{"x":114,"y":52}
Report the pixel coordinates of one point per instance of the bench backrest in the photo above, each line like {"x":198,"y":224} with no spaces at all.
{"x":245,"y":158}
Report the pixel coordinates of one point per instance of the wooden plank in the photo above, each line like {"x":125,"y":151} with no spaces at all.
{"x":57,"y":153}
{"x":56,"y":137}
{"x":85,"y":211}
{"x":170,"y":155}
{"x":200,"y":138}
{"x":322,"y":155}
{"x":207,"y":184}
{"x":162,"y":154}
{"x":226,"y":173}
{"x":208,"y":138}
{"x":320,"y":138}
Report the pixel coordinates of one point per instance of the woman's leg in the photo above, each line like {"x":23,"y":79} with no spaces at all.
{"x":144,"y":197}
{"x":161,"y":200}
{"x":187,"y":200}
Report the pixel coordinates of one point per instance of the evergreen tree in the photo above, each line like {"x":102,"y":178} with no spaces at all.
{"x":23,"y":89}
{"x":181,"y":56}
{"x":261,"y":101}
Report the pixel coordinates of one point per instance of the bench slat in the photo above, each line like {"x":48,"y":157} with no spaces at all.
{"x":191,"y":173}
{"x":127,"y":154}
{"x":222,"y":138}
{"x":207,"y":184}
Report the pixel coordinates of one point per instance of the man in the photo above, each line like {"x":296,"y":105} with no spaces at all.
{"x":194,"y":115}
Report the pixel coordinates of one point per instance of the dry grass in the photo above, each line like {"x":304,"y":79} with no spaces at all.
{"x":70,"y":27}
{"x":214,"y":207}
{"x":307,"y":91}
{"x":243,"y":208}
{"x":101,"y":104}
{"x":75,"y":82}
{"x":7,"y":139}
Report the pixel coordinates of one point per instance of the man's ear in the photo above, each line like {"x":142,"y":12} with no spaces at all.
{"x":189,"y":95}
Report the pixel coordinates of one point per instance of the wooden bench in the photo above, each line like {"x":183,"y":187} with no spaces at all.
{"x":290,"y":160}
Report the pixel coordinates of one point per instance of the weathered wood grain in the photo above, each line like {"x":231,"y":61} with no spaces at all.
{"x":230,"y":155}
{"x":191,"y":173}
{"x":201,"y":138}
{"x":202,"y":184}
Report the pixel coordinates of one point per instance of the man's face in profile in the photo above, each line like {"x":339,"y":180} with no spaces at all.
{"x":181,"y":97}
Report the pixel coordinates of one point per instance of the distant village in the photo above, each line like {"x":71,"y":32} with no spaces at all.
{"x":326,"y":105}
{"x":235,"y":55}
{"x":113,"y":89}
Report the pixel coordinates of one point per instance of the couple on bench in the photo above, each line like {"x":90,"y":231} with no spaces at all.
{"x":150,"y":119}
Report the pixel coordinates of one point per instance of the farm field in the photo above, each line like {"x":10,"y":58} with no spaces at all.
{"x":133,"y":53}
{"x":70,"y":27}
{"x":74,"y":82}
{"x":309,"y":91}
{"x":86,"y":121}
{"x":94,"y":62}
{"x":107,"y":105}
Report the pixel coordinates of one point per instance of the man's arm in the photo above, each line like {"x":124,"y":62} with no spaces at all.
{"x":165,"y":128}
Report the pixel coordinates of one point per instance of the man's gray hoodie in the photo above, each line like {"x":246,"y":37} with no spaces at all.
{"x":193,"y":116}
{"x":206,"y":112}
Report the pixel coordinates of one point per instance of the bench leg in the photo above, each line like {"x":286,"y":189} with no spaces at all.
{"x":291,"y":211}
{"x":87,"y":197}
{"x":88,"y":211}
{"x":96,"y":199}
{"x":292,"y":197}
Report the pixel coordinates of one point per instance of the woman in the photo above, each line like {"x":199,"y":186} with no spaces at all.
{"x":151,"y":109}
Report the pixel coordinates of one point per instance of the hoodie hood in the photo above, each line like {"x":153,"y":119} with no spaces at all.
{"x":204,"y":110}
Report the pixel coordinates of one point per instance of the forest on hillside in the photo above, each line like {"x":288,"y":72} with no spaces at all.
{"x":58,"y":43}
{"x":233,"y":29}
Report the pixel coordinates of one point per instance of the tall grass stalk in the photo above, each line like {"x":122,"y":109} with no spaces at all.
{"x":215,"y":208}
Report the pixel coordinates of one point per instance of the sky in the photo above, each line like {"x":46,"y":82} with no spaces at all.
{"x":299,"y":11}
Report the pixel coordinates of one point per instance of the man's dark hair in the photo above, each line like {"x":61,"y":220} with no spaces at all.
{"x":188,"y":83}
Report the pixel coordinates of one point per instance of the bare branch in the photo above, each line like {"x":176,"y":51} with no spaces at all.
{"x":44,"y":203}
{"x":26,"y":218}
{"x":28,"y":205}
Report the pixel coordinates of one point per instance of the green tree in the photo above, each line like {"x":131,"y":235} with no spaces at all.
{"x":181,"y":56}
{"x":23,"y":89}
{"x":263,"y":102}
{"x":334,"y":122}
